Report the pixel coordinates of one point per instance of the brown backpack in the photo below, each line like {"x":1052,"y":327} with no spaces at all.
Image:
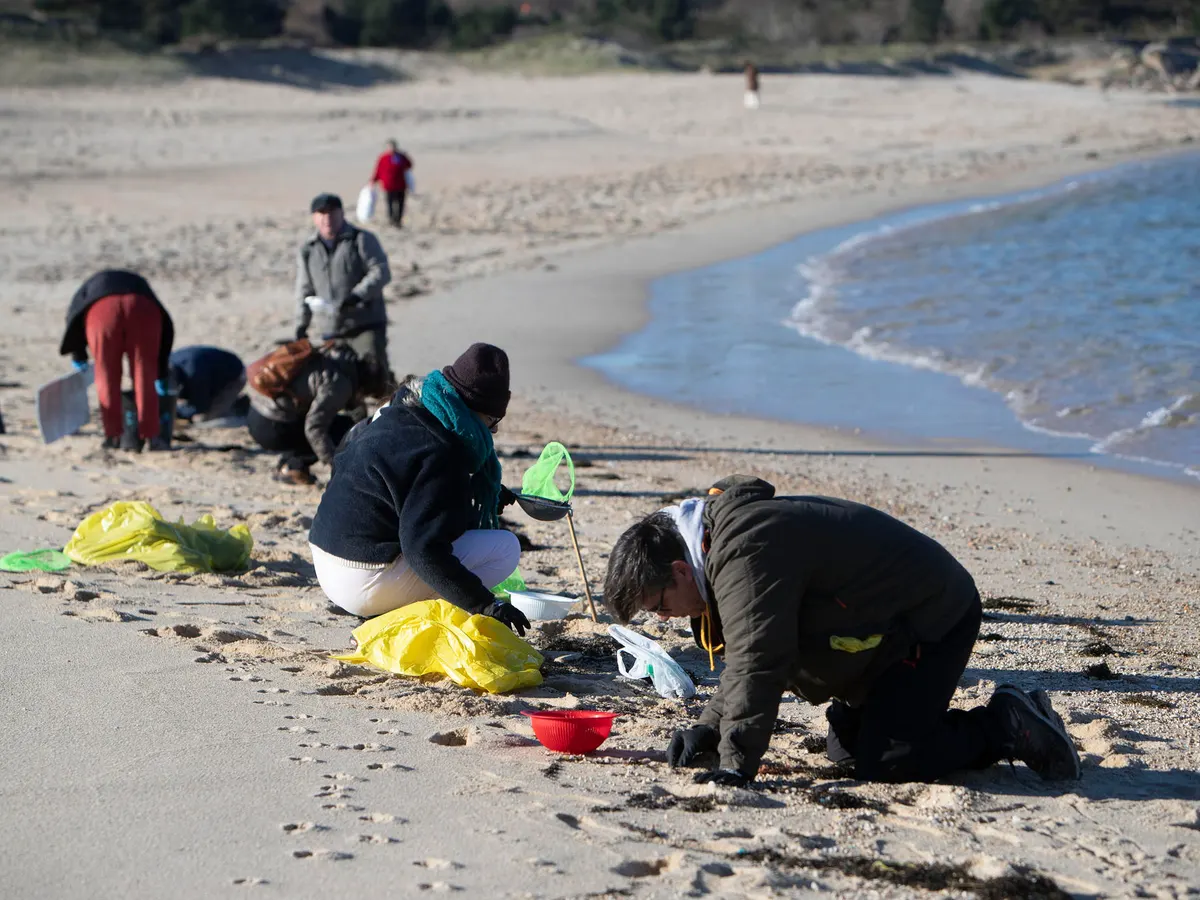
{"x":272,"y":375}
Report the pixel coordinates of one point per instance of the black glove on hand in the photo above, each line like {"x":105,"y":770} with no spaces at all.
{"x":507,"y":498}
{"x":509,"y":615}
{"x":726,"y":777}
{"x":301,"y":332}
{"x":688,"y":743}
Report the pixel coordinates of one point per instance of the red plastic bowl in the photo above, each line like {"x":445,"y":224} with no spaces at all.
{"x":571,"y":730}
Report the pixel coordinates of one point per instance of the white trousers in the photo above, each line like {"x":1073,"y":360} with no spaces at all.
{"x":491,"y":554}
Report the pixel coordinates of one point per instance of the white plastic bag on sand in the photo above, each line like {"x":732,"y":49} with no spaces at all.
{"x":649,"y":659}
{"x":366,"y":204}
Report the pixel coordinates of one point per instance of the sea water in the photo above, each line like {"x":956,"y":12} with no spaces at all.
{"x":1063,"y":321}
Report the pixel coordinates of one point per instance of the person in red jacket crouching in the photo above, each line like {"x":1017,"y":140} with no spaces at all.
{"x":393,"y":173}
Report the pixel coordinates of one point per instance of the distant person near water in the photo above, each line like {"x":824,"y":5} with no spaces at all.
{"x":393,"y":173}
{"x":208,"y":380}
{"x":340,"y":275}
{"x":115,"y":315}
{"x":751,"y":98}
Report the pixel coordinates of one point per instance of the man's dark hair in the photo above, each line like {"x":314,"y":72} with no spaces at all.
{"x":640,"y":563}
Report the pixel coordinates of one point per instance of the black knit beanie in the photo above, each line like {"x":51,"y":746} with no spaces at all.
{"x":480,"y":376}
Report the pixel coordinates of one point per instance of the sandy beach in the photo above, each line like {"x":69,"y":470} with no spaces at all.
{"x":189,"y":735}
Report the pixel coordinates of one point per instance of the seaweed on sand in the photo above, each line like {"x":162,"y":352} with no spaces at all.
{"x":1148,"y":700}
{"x":1021,"y":884}
{"x":1013,"y":604}
{"x":1101,"y":672}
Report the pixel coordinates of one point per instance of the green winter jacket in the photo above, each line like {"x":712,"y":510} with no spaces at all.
{"x":817,"y":596}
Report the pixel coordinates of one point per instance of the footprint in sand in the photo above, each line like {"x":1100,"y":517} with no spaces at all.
{"x":647,"y":868}
{"x":399,"y":766}
{"x":376,"y":839}
{"x":328,"y":855}
{"x":302,"y":827}
{"x":249,"y":882}
{"x":333,"y":792}
{"x":304,"y":759}
{"x":343,"y":807}
{"x":460,"y":737}
{"x":1105,"y":743}
{"x":435,"y":863}
{"x":297,"y":729}
{"x":369,"y":747}
{"x":299,"y":716}
{"x":383,"y":819}
{"x":342,"y":776}
{"x":313,"y":746}
{"x":443,"y":886}
{"x":271,"y":703}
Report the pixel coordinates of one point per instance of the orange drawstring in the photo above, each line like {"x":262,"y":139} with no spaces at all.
{"x":706,"y":639}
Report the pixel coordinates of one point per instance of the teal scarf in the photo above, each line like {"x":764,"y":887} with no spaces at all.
{"x":441,"y":399}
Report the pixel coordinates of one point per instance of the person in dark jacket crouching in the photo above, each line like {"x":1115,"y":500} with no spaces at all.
{"x":832,"y":600}
{"x":412,"y":510}
{"x":209,"y":381}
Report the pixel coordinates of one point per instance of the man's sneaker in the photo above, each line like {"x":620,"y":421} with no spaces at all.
{"x":1035,"y":734}
{"x":159,"y":444}
{"x":111,"y":443}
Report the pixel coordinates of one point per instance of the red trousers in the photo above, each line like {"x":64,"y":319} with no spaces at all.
{"x":118,"y":326}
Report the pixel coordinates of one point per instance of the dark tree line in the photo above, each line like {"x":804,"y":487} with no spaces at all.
{"x":395,"y":23}
{"x":421,"y":23}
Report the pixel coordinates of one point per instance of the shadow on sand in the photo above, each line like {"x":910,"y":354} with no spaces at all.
{"x":291,"y":66}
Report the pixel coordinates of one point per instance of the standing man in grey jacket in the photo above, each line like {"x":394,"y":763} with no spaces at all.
{"x":340,"y":275}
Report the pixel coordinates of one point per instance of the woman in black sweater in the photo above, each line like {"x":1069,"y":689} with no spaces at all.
{"x":412,"y":510}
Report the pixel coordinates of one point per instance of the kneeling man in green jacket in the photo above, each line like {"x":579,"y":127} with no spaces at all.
{"x":836,"y":601}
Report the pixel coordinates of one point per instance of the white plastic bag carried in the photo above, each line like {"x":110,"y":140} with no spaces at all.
{"x":651,"y":660}
{"x":366,"y":204}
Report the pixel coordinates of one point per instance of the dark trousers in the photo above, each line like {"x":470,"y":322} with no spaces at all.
{"x":904,"y":730}
{"x":395,"y":201}
{"x":287,"y":438}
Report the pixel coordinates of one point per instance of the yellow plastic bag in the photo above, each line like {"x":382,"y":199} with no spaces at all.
{"x":437,"y":637}
{"x":134,"y":530}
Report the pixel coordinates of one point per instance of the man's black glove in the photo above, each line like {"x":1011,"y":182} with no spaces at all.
{"x":507,"y":498}
{"x":726,"y":777}
{"x":688,"y":743}
{"x":509,"y":615}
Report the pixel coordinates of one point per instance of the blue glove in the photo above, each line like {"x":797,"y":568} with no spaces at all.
{"x":726,"y":777}
{"x":160,"y":387}
{"x":80,"y":365}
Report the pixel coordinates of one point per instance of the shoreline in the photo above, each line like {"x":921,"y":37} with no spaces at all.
{"x":971,"y":414}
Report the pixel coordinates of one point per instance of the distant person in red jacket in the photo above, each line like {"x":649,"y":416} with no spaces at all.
{"x":393,"y":172}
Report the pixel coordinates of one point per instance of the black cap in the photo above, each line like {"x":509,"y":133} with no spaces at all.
{"x":325,"y":202}
{"x":480,"y":376}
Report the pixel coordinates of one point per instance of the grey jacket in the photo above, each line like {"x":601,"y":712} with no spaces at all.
{"x":350,"y":277}
{"x":326,"y":385}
